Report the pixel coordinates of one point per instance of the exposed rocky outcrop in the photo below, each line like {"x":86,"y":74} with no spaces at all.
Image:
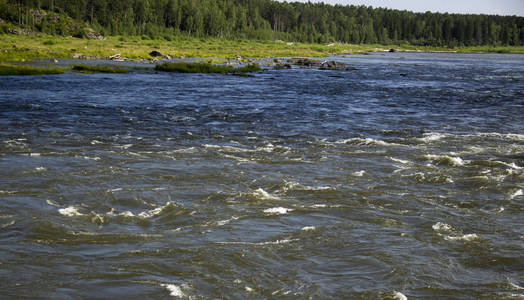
{"x":305,"y":62}
{"x":324,"y":65}
{"x":332,"y":65}
{"x":281,"y":66}
{"x":93,"y":35}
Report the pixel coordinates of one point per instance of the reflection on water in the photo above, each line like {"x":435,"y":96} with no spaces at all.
{"x":404,"y":177}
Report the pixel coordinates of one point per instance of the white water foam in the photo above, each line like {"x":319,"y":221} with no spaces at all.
{"x":359,"y":173}
{"x":95,"y":158}
{"x":183,"y":150}
{"x":440,"y":226}
{"x":261,"y":194}
{"x":277,"y":242}
{"x":309,"y":228}
{"x":515,"y":286}
{"x":145,"y":214}
{"x":227,"y":221}
{"x":366,"y":141}
{"x":511,"y":165}
{"x":452,"y":160}
{"x":466,"y":237}
{"x":153,"y":212}
{"x":319,"y":206}
{"x":125,"y":147}
{"x":292,"y":185}
{"x":3,"y":226}
{"x":228,"y":148}
{"x":450,"y":234}
{"x":240,"y":159}
{"x":399,"y":296}
{"x":432,"y":136}
{"x":516,"y":194}
{"x":509,"y":136}
{"x":277,"y":210}
{"x":50,"y":202}
{"x":405,"y":162}
{"x":174,"y":290}
{"x":112,"y":213}
{"x":70,"y":211}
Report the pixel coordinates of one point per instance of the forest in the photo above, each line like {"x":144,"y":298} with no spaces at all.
{"x":264,"y":20}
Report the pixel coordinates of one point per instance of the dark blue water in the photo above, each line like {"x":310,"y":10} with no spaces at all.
{"x":403,"y":178}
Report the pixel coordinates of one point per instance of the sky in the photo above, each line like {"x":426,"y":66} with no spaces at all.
{"x":492,"y":7}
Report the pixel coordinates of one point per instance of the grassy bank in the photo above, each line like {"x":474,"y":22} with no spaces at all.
{"x":20,"y":48}
{"x":98,"y":69}
{"x":184,"y":67}
{"x":27,"y":70}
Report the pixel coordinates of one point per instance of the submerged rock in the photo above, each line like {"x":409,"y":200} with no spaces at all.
{"x":281,"y":66}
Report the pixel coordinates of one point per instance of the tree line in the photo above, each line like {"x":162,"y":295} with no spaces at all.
{"x":268,"y":19}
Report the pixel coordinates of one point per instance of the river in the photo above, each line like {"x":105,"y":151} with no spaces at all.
{"x":403,"y":178}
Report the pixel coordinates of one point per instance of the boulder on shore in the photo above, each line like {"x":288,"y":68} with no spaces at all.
{"x":115,"y":57}
{"x":155,"y":53}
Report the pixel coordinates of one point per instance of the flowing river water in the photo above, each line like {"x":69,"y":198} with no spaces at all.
{"x":403,"y":178}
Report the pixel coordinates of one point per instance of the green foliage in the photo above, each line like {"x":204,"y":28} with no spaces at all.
{"x":99,"y":69}
{"x":263,"y":20}
{"x":49,"y":43}
{"x":27,"y":70}
{"x":184,"y":67}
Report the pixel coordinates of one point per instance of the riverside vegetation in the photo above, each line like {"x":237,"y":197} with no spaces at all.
{"x":21,"y":47}
{"x":224,"y":29}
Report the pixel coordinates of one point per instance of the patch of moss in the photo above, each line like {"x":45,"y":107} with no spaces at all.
{"x":27,"y":70}
{"x":99,"y":69}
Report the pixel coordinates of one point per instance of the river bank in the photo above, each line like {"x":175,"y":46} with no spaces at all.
{"x":20,"y":48}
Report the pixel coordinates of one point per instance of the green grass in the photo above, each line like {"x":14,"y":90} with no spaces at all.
{"x":184,"y":67}
{"x":27,"y":70}
{"x":99,"y":69}
{"x":24,"y":48}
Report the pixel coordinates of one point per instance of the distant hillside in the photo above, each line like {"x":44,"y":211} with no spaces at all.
{"x":260,"y":19}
